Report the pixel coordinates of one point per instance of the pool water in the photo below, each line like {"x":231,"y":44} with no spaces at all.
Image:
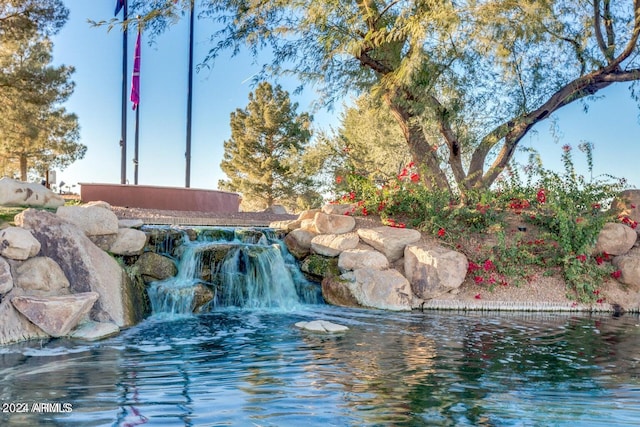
{"x":241,"y":367}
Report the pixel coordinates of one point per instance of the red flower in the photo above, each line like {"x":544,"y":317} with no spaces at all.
{"x":488,"y":265}
{"x":338,"y":179}
{"x":566,"y":148}
{"x":478,"y":279}
{"x":541,"y":196}
{"x":401,"y":225}
{"x":633,"y":206}
{"x":381,"y":206}
{"x":415,"y":177}
{"x":472,"y":267}
{"x":596,"y":206}
{"x":596,"y":292}
{"x":616,"y":274}
{"x":478,"y":296}
{"x":352,"y":195}
{"x":599,"y":260}
{"x":579,"y":220}
{"x":441,"y":232}
{"x":364,"y":211}
{"x":600,"y":300}
{"x":411,"y":164}
{"x":403,"y":173}
{"x":581,"y":257}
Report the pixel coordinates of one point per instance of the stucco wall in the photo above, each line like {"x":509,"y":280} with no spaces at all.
{"x":168,"y":198}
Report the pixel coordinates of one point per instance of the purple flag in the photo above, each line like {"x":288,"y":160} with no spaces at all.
{"x":135,"y":77}
{"x":119,"y":5}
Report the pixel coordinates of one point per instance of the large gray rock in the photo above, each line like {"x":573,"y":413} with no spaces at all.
{"x":321,"y":326}
{"x":353,"y":259}
{"x":152,"y":266}
{"x":338,"y":208}
{"x":389,"y":240}
{"x":434,"y":270}
{"x":332,"y":244}
{"x":615,"y":239}
{"x":17,"y":243}
{"x":57,"y":316}
{"x":337,"y":291}
{"x":627,"y":203}
{"x":130,"y":223}
{"x":299,"y":242}
{"x":14,"y":327}
{"x":629,"y":266}
{"x":92,"y":219}
{"x":6,"y":279}
{"x":86,"y":266}
{"x":333,"y":224}
{"x":41,"y":276}
{"x":308,"y":214}
{"x":128,"y":242}
{"x":18,"y":193}
{"x":386,"y":289}
{"x":94,"y":331}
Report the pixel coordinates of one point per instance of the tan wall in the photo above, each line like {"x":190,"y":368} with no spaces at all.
{"x":167,"y":198}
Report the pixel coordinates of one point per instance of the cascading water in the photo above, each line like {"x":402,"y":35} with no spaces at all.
{"x":232,"y":267}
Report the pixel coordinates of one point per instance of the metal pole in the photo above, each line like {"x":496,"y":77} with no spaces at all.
{"x":123,"y":129}
{"x":189,"y":99}
{"x":135,"y":149}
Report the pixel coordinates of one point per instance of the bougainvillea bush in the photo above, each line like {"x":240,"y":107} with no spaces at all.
{"x":534,"y":221}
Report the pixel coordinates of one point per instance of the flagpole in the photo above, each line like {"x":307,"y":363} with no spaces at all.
{"x":123,"y":129}
{"x":189,"y":99}
{"x":135,"y":98}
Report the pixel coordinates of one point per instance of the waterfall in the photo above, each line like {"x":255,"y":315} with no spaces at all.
{"x":242,"y":267}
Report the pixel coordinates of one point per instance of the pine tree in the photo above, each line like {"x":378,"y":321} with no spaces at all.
{"x":262,"y":157}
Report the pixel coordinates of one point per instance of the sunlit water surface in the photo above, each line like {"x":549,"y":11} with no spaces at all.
{"x":255,"y":368}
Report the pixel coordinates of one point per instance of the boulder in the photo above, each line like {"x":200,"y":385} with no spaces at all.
{"x":299,"y":242}
{"x":615,"y":239}
{"x":128,"y":242}
{"x":336,"y":291}
{"x":386,"y":289}
{"x":86,"y":266}
{"x":41,"y":276}
{"x":6,"y":279}
{"x":332,"y":244}
{"x":338,"y":208}
{"x":152,"y":266}
{"x":308,"y":214}
{"x":389,"y":240}
{"x":57,"y":316}
{"x":629,"y":266}
{"x":288,"y":225}
{"x":353,"y":259}
{"x":333,"y":224}
{"x":18,"y":193}
{"x":321,"y":326}
{"x":94,"y":331}
{"x":14,"y":327}
{"x":17,"y":243}
{"x":434,"y":270}
{"x":202,"y":295}
{"x":627,"y":203}
{"x":103,"y":241}
{"x":309,"y":224}
{"x":320,"y":266}
{"x":276,"y":209}
{"x":92,"y":219}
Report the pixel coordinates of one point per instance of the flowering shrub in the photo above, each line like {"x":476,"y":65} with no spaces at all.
{"x":566,"y":208}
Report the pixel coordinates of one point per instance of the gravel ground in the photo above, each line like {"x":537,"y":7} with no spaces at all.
{"x":540,"y":293}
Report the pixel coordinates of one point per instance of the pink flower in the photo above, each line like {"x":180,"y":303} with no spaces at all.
{"x":616,"y":274}
{"x":541,"y":196}
{"x":338,"y":179}
{"x":478,"y":296}
{"x":478,"y":279}
{"x":472,"y":267}
{"x":566,"y":148}
{"x":581,"y":258}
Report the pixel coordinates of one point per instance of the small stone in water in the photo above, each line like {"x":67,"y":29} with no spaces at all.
{"x":321,"y":326}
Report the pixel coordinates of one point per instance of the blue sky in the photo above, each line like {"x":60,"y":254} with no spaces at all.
{"x":611,"y":124}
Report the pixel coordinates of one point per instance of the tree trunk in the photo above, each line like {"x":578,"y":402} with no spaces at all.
{"x":23,"y":167}
{"x":422,"y":152}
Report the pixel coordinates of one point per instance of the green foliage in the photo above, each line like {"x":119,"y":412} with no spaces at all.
{"x":560,"y":216}
{"x":263,"y":157}
{"x":36,"y":132}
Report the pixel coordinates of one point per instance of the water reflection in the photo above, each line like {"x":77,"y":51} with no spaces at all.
{"x":239,"y":367}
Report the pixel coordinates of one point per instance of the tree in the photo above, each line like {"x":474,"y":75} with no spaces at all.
{"x":262,"y":157}
{"x":481,"y":73}
{"x":36,"y":133}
